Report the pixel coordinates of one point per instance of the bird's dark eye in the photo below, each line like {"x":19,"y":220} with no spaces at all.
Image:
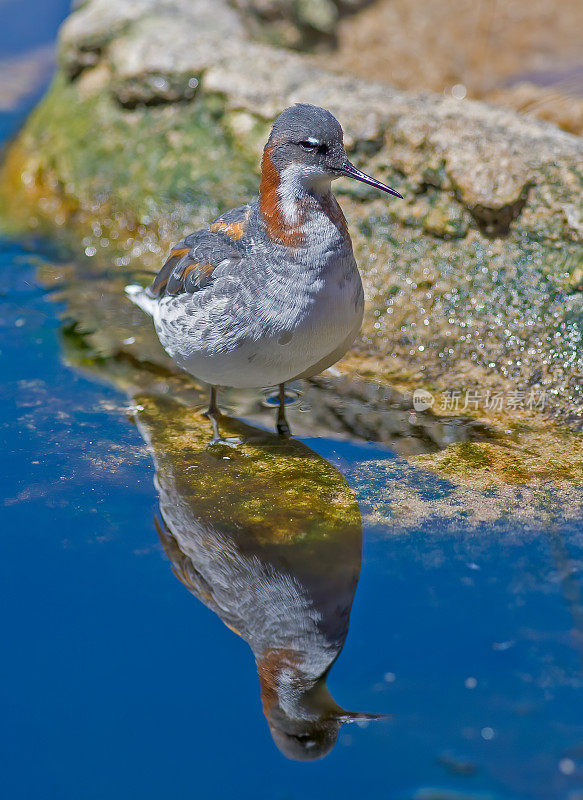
{"x":309,"y":144}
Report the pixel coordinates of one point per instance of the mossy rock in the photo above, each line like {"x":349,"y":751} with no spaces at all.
{"x":271,"y":489}
{"x":130,"y":180}
{"x":472,"y":281}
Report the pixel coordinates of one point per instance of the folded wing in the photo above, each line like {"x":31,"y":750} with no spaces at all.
{"x":194,"y":261}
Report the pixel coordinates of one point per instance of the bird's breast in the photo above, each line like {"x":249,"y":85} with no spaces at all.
{"x":318,"y":300}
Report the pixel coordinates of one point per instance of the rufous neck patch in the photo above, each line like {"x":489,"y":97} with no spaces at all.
{"x":277,"y":228}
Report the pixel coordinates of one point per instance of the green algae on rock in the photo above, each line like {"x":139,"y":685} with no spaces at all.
{"x":472,"y":281}
{"x":275,"y":490}
{"x":131,"y":178}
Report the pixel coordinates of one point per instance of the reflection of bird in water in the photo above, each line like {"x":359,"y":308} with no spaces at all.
{"x":275,"y":551}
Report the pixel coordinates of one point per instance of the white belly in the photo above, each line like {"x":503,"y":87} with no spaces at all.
{"x":320,"y":334}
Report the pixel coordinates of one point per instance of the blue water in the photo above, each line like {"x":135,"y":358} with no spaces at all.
{"x":116,"y":682}
{"x":28,"y":24}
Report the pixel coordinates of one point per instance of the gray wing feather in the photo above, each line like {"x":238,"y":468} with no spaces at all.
{"x":192,"y":262}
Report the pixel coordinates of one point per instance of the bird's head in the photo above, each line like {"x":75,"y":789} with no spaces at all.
{"x":306,"y":148}
{"x":303,"y":717}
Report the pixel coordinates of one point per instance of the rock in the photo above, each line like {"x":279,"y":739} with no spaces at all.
{"x":145,"y":71}
{"x":319,"y":15}
{"x":87,"y":32}
{"x":472,"y":281}
{"x":250,"y":496}
{"x":494,"y":192}
{"x":300,"y":24}
{"x":446,"y":221}
{"x":521,"y":55}
{"x":550,"y":104}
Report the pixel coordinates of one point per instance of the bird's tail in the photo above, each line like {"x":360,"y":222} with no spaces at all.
{"x":141,"y":298}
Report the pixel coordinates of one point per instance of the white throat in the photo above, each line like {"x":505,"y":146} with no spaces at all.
{"x":299,"y":181}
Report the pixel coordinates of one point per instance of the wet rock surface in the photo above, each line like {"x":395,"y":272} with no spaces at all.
{"x":156,"y":121}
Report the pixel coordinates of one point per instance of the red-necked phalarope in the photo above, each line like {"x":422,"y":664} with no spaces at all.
{"x":270,"y":291}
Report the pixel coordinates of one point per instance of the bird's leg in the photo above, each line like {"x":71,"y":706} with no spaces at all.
{"x":213,"y":412}
{"x":282,"y":426}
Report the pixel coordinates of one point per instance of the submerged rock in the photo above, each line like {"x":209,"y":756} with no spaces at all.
{"x":472,"y":281}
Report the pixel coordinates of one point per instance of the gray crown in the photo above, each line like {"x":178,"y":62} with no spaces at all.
{"x":305,"y":121}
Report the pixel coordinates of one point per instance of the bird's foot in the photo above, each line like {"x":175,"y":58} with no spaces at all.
{"x":229,"y":441}
{"x":283,"y":428}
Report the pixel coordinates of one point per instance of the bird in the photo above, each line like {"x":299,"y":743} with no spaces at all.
{"x":270,"y":291}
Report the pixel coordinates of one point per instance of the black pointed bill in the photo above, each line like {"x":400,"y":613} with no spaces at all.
{"x":350,"y":171}
{"x":358,"y":716}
